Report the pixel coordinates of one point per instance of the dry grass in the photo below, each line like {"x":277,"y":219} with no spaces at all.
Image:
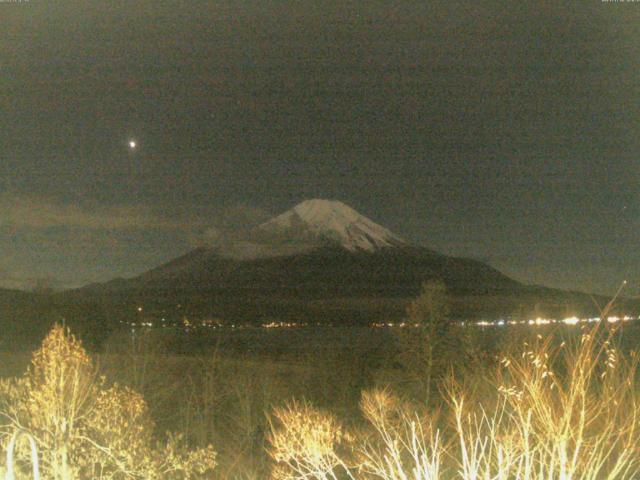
{"x":553,"y":411}
{"x":306,"y":443}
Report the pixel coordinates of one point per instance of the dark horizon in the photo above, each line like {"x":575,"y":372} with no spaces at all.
{"x":509,"y":134}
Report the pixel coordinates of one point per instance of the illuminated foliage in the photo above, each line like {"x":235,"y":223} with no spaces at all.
{"x":86,"y":428}
{"x":400,"y":442}
{"x":306,"y":443}
{"x":553,"y":412}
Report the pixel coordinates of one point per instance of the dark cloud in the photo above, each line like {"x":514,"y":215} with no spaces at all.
{"x":61,"y":245}
{"x":40,"y":212}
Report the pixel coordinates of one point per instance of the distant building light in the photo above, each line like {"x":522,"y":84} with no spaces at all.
{"x":571,"y":321}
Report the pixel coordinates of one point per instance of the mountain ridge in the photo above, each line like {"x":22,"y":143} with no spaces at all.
{"x":323,"y":261}
{"x":328,"y":233}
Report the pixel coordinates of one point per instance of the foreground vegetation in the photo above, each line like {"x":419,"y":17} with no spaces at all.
{"x":565,"y":412}
{"x":86,"y":428}
{"x":442,"y":402}
{"x":545,"y":408}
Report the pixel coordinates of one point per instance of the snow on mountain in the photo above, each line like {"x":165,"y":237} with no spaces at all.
{"x":334,"y":221}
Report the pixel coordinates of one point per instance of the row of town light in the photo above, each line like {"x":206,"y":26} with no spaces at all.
{"x":549,"y":321}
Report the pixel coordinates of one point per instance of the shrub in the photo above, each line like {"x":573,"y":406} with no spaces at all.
{"x":306,"y":443}
{"x":85,"y":428}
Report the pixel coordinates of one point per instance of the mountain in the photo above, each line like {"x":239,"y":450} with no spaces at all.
{"x":323,"y":246}
{"x":321,"y":261}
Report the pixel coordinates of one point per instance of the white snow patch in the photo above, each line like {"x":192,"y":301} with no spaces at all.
{"x":333,"y":220}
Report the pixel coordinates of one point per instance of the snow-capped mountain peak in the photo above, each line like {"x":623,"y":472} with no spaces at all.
{"x":334,"y":221}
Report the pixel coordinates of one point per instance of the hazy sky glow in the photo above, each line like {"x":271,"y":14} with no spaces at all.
{"x":506,"y":131}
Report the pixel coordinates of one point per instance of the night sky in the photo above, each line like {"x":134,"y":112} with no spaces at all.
{"x":504,"y":131}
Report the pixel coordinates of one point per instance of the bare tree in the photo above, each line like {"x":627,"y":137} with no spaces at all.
{"x":431,"y":343}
